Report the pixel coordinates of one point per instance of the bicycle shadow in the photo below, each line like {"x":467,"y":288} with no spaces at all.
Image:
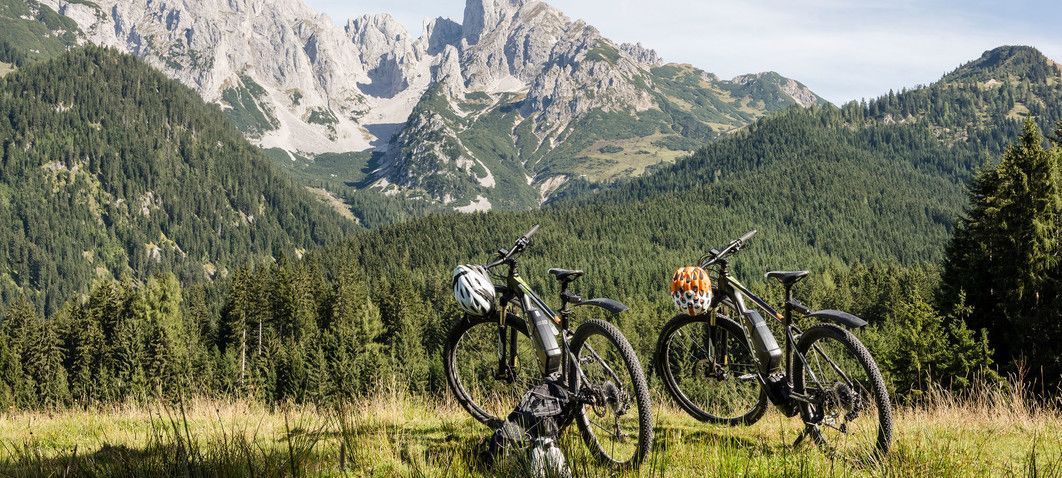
{"x":667,"y":436}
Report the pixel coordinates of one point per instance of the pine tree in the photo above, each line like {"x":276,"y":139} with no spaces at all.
{"x":1005,"y":256}
{"x":85,"y":346}
{"x":351,"y":334}
{"x":157,"y":306}
{"x":404,"y":316}
{"x":41,"y":355}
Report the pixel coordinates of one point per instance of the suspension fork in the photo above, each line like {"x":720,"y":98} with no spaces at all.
{"x":716,"y":345}
{"x":506,"y":342}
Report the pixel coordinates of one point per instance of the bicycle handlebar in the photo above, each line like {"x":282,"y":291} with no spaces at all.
{"x":531,"y":232}
{"x":521,"y":243}
{"x":747,"y":236}
{"x":736,"y":245}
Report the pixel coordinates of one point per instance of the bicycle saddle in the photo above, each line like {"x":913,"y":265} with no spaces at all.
{"x":565,"y":275}
{"x":788,"y":278}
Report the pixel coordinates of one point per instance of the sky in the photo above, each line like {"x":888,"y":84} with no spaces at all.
{"x":842,"y":50}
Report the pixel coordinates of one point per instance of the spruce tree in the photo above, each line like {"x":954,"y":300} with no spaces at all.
{"x":1004,"y":257}
{"x":351,"y":336}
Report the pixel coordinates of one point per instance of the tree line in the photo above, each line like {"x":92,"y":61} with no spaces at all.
{"x":345,"y":320}
{"x":866,"y":208}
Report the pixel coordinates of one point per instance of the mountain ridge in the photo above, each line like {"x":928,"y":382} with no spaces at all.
{"x":132,"y":174}
{"x":307,"y":86}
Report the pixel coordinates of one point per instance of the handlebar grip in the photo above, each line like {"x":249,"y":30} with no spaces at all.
{"x":531,"y":232}
{"x":747,"y":236}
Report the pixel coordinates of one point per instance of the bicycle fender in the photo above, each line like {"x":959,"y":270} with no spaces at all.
{"x":839,"y":318}
{"x":610,"y":305}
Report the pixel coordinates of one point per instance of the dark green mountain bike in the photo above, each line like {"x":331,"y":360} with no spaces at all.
{"x":724,"y":366}
{"x":491,"y":361}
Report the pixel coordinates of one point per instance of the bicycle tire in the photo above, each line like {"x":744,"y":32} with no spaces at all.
{"x":672,"y":386}
{"x":640,"y":386}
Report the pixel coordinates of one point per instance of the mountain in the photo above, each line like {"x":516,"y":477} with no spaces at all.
{"x":496,"y":111}
{"x":530,"y":99}
{"x":30,"y":31}
{"x":110,"y":169}
{"x":881,"y":181}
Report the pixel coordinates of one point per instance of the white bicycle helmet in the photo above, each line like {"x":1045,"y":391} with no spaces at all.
{"x":473,"y":289}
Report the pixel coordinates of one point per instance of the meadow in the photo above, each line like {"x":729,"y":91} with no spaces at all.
{"x":989,"y":433}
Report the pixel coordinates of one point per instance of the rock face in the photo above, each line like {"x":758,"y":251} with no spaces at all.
{"x":499,"y":110}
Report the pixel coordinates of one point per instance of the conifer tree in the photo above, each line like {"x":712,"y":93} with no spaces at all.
{"x":1005,"y":256}
{"x":404,"y":314}
{"x":42,"y":355}
{"x":352,"y":336}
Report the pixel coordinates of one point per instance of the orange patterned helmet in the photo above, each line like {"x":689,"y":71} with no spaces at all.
{"x":692,"y":290}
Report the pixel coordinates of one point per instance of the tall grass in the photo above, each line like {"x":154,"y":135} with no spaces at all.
{"x":986,"y":431}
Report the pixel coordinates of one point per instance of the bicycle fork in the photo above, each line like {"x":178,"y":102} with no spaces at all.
{"x":506,"y":348}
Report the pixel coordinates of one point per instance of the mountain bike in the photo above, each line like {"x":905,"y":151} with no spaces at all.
{"x":723,"y":371}
{"x":491,"y":361}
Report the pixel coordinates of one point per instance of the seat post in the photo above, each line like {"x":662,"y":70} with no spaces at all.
{"x":788,"y":313}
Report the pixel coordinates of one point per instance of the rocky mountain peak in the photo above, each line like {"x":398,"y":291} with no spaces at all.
{"x":439,"y":33}
{"x":485,"y":15}
{"x":381,"y":24}
{"x":640,"y":54}
{"x":501,"y":109}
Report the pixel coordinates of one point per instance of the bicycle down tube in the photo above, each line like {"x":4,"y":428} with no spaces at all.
{"x":766,"y":346}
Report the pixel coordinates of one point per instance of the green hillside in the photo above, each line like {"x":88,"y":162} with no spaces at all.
{"x":884,"y":178}
{"x":456,"y":152}
{"x":865,"y":196}
{"x":30,"y":31}
{"x":110,"y":169}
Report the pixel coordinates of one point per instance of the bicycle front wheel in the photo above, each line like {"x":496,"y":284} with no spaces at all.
{"x":710,"y":371}
{"x":470,"y":361}
{"x":849,"y":416}
{"x":616,"y":419}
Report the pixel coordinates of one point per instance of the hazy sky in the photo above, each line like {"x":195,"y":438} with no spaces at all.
{"x":841,"y":49}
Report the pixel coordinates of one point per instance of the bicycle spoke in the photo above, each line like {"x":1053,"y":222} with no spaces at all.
{"x":713,"y":369}
{"x":843,"y":407}
{"x":476,"y":363}
{"x":612,"y":419}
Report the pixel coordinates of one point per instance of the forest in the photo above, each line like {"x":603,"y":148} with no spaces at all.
{"x":374,"y":309}
{"x":149,"y":250}
{"x":108,"y":169}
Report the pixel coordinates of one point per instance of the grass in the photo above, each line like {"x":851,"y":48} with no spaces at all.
{"x":397,"y":435}
{"x":610,"y":159}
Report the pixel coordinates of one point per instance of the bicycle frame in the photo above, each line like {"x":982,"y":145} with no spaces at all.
{"x":518,"y":290}
{"x":763,"y":342}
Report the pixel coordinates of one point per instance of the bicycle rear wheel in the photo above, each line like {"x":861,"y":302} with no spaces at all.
{"x":470,"y":361}
{"x":617,"y":423}
{"x":850,"y":417}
